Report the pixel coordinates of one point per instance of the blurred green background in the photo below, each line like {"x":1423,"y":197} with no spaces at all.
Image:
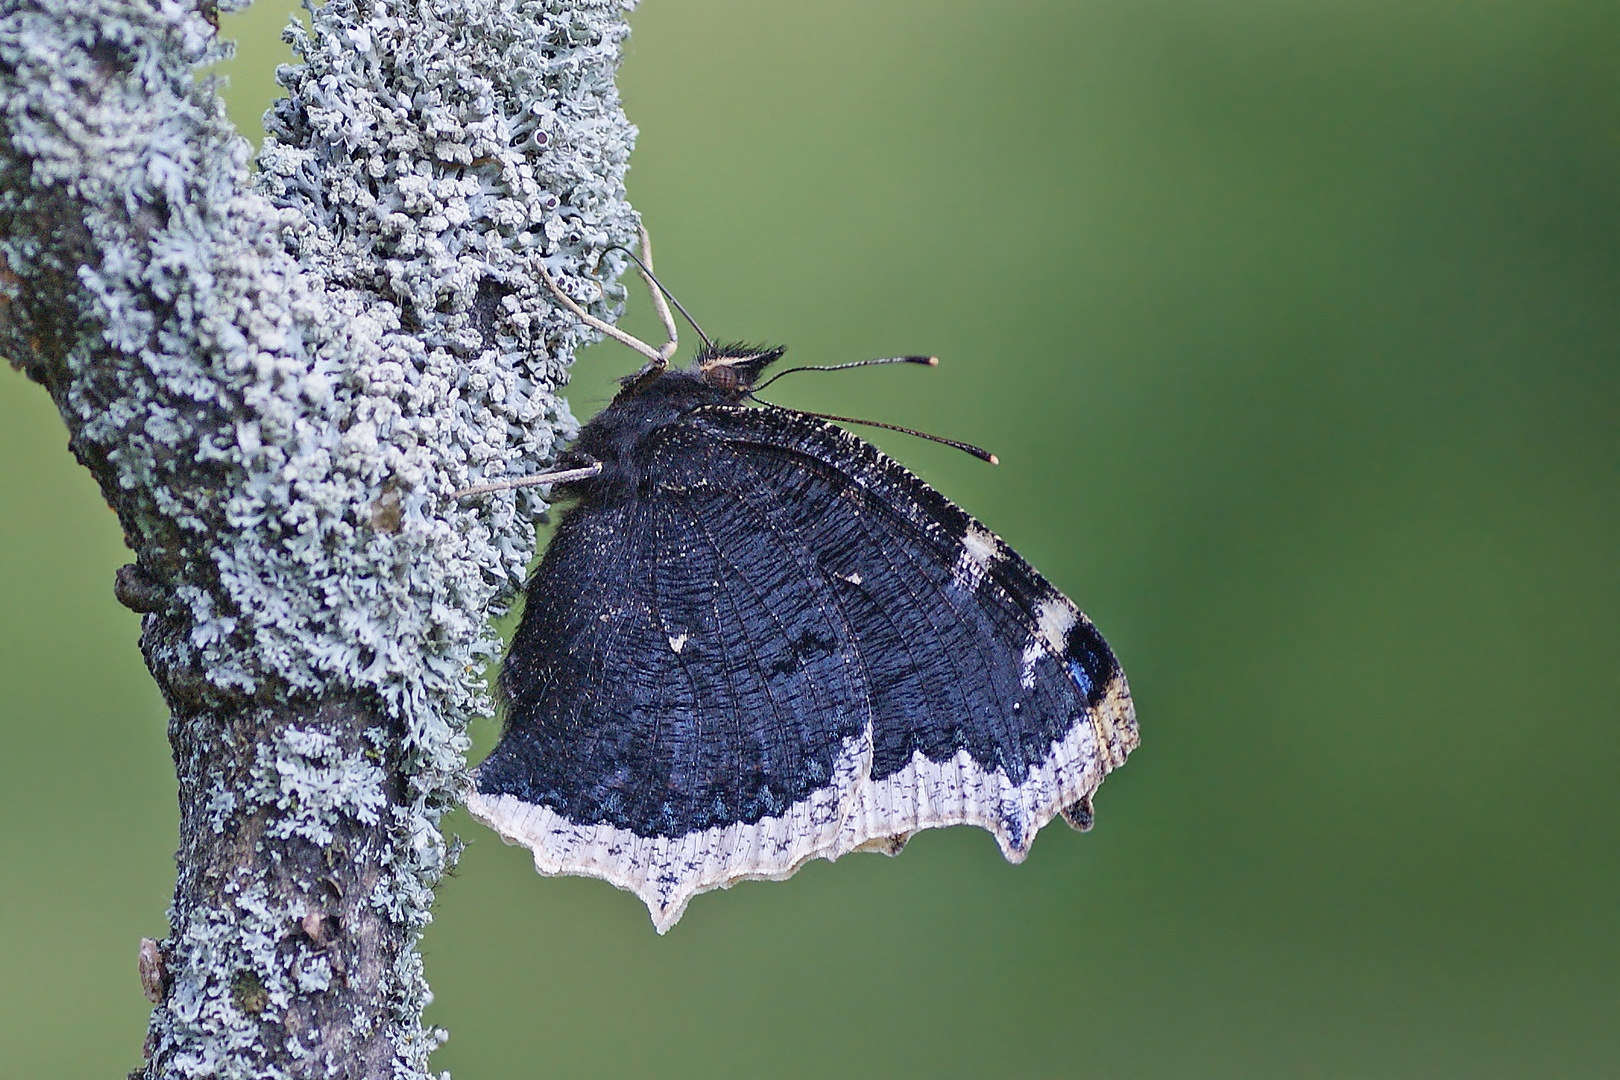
{"x":1294,"y":325}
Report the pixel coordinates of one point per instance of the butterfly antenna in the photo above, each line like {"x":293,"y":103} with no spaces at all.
{"x":966,"y":448}
{"x":927,"y":361}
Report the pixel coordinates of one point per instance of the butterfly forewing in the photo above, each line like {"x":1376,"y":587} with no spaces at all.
{"x":994,"y":701}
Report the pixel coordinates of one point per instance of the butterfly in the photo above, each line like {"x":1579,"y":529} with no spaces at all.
{"x":756,"y":640}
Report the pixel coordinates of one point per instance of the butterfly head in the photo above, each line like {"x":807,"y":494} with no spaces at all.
{"x":734,"y":369}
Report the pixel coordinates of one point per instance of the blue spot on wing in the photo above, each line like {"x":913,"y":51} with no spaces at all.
{"x":1091,"y":664}
{"x":1081,"y":677}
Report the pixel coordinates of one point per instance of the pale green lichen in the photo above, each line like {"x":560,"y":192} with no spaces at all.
{"x":281,"y":378}
{"x":311,"y":783}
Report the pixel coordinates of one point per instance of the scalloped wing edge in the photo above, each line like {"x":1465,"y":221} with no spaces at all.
{"x":852,"y":813}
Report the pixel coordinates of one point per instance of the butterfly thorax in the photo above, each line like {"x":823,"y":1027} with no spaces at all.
{"x":620,"y":434}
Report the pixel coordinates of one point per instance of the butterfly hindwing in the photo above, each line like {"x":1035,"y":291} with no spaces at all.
{"x":685,"y":700}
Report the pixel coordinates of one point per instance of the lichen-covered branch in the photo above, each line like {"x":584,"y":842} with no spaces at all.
{"x":278,"y":380}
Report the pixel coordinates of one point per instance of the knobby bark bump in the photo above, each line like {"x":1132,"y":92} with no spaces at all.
{"x":278,"y":378}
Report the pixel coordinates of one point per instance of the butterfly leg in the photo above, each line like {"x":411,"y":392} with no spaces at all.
{"x":561,"y":476}
{"x":660,"y":305}
{"x":658,"y":357}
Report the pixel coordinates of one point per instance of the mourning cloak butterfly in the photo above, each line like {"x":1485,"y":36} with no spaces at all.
{"x":756,"y":640}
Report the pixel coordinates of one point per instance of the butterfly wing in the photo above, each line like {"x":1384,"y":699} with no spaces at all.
{"x":685,"y":702}
{"x":994,"y":700}
{"x":787,"y":646}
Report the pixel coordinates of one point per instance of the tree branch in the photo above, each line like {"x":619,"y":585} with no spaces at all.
{"x":278,"y":382}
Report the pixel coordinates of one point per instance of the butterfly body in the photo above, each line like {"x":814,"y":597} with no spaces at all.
{"x":756,"y":640}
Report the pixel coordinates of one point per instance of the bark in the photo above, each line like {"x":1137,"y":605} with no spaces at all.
{"x":278,"y":379}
